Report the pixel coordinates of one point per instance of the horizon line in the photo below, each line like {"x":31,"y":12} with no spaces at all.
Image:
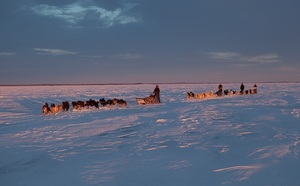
{"x":140,"y":83}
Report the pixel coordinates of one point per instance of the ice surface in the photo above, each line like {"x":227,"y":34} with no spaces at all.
{"x":233,"y":140}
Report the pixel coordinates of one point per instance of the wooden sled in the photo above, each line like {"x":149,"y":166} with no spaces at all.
{"x":147,"y":101}
{"x":141,"y":101}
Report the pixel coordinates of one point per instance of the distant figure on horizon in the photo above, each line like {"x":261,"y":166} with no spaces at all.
{"x":220,"y":90}
{"x":220,"y":87}
{"x":254,"y":89}
{"x":242,"y":87}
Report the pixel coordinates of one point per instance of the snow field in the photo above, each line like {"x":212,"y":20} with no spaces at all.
{"x":233,"y":140}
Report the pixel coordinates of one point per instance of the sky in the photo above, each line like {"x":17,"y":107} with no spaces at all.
{"x":149,"y":41}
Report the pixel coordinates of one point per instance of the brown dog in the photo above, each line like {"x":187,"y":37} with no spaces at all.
{"x":122,"y":103}
{"x":56,"y":108}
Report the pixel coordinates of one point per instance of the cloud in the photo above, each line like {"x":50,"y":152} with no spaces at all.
{"x":7,"y":54}
{"x":79,"y":11}
{"x":55,"y":52}
{"x":224,"y":55}
{"x":129,"y":56}
{"x":264,"y":58}
{"x":238,"y":57}
{"x":92,"y":56}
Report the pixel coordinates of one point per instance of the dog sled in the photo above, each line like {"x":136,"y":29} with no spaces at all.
{"x":141,"y":101}
{"x":152,"y":99}
{"x":147,"y":100}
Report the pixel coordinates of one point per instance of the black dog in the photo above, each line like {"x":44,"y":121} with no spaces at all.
{"x":65,"y":105}
{"x":46,"y":109}
{"x":122,"y":103}
{"x":102,"y":102}
{"x":92,"y":103}
{"x":78,"y":104}
{"x":109,"y":102}
{"x":248,"y":91}
{"x":190,"y":95}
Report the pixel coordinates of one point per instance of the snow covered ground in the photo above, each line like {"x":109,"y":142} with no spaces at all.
{"x":233,"y":140}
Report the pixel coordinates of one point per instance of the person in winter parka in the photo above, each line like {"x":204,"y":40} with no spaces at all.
{"x":220,"y":90}
{"x":156,"y":93}
{"x":254,"y":89}
{"x":242,"y":87}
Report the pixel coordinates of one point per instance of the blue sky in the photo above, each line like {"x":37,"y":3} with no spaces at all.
{"x":130,"y":41}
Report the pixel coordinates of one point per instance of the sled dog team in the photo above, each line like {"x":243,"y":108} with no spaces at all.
{"x":211,"y":94}
{"x":65,"y":106}
{"x":154,"y":98}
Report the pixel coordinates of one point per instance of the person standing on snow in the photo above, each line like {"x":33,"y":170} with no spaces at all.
{"x":255,"y":89}
{"x":242,"y":87}
{"x":220,"y":90}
